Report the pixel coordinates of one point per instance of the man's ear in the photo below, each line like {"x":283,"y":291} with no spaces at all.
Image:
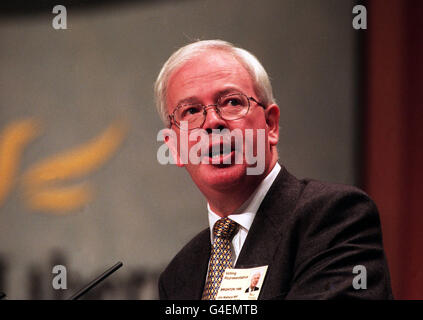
{"x":171,"y":140}
{"x":272,"y":119}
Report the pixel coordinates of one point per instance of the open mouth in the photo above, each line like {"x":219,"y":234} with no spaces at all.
{"x":221,"y":153}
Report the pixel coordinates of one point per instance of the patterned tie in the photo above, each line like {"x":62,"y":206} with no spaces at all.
{"x":221,"y":256}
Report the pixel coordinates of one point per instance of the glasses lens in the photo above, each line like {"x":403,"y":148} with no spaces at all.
{"x":192,"y":114}
{"x":233,"y":106}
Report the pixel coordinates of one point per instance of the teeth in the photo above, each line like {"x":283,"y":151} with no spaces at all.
{"x":219,"y":152}
{"x":215,"y":154}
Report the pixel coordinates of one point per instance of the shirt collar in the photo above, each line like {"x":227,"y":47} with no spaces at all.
{"x":245,"y":214}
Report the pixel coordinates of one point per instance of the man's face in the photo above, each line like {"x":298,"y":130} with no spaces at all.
{"x":203,"y":80}
{"x":254,"y":280}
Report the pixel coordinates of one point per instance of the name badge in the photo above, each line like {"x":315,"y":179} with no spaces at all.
{"x":241,"y":284}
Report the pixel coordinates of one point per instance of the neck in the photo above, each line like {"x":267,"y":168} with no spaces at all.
{"x":218,"y":200}
{"x":221,"y":206}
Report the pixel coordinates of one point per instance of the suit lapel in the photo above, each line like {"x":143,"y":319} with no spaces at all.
{"x":266,"y":231}
{"x":259,"y":245}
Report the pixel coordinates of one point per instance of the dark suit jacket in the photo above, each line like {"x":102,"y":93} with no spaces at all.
{"x":311,"y":235}
{"x":255,"y":289}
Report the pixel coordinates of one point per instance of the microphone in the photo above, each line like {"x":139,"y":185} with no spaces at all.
{"x":96,"y":281}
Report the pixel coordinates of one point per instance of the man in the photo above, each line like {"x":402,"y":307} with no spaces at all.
{"x":310,"y":234}
{"x":253,"y":284}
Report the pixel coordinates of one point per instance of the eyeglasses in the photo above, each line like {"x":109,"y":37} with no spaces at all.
{"x":230,"y":107}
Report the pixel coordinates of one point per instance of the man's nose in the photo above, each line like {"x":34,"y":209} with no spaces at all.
{"x":213,"y":120}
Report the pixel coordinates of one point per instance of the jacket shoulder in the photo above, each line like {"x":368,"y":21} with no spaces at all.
{"x":331,"y":200}
{"x":314,"y":189}
{"x":305,"y":201}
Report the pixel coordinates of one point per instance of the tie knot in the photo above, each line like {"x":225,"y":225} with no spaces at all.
{"x":225,"y":228}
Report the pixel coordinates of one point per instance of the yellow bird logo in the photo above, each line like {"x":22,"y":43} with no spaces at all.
{"x":41,"y":181}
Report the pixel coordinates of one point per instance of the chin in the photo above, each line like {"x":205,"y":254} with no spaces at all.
{"x":220,"y":177}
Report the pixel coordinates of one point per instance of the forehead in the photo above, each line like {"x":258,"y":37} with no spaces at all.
{"x":205,"y":75}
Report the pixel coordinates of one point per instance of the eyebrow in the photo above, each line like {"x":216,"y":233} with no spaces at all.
{"x":189,"y":100}
{"x":217,"y":95}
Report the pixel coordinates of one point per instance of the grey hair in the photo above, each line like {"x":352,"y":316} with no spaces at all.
{"x":253,"y":66}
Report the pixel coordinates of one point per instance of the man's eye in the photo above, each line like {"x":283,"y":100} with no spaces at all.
{"x":235,"y":102}
{"x":192,"y":110}
{"x":232,"y":102}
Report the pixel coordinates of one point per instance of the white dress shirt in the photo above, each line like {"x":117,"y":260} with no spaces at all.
{"x":245,"y":214}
